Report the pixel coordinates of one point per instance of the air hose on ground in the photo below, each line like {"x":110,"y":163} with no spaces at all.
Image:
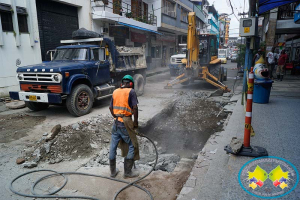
{"x":63,"y":174}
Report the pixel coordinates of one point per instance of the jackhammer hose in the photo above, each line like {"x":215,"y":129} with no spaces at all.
{"x":51,"y":194}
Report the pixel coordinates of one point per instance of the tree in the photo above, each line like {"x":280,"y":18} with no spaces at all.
{"x":241,"y":55}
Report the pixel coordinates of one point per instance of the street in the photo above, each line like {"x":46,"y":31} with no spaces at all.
{"x":83,"y":142}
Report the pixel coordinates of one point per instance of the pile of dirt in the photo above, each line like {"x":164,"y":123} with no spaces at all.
{"x":15,"y":126}
{"x":79,"y":140}
{"x":185,"y":125}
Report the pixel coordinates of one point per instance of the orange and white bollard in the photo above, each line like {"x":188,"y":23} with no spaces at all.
{"x":248,"y":116}
{"x":247,"y":149}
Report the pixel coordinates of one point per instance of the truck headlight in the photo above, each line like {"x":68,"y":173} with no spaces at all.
{"x":173,"y":60}
{"x":56,"y":78}
{"x":20,"y":77}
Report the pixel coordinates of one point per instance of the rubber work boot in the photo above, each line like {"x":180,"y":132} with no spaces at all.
{"x":281,"y":77}
{"x":278,"y":77}
{"x":113,"y":170}
{"x":128,"y":173}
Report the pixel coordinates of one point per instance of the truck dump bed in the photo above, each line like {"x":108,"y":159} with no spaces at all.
{"x":130,"y":58}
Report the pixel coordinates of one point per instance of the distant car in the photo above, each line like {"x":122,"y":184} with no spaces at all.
{"x":233,"y":58}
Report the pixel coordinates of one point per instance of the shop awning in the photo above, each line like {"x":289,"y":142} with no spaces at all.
{"x":140,"y":28}
{"x":266,"y":5}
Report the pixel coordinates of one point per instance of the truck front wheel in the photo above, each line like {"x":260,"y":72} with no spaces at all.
{"x":80,"y":101}
{"x":36,"y":106}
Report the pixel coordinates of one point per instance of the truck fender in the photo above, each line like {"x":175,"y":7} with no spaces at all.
{"x":76,"y":77}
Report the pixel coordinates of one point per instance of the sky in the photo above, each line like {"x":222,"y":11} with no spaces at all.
{"x":223,"y":6}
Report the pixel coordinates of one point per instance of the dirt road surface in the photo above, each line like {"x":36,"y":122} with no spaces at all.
{"x":188,"y":116}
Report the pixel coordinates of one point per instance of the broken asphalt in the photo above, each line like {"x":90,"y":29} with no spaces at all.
{"x":276,"y":124}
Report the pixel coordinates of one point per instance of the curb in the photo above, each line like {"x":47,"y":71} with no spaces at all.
{"x":157,"y":72}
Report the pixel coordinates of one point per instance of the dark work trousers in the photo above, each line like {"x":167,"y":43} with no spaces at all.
{"x":272,"y":66}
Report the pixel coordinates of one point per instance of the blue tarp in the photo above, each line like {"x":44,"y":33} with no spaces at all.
{"x":140,"y":28}
{"x":266,"y":5}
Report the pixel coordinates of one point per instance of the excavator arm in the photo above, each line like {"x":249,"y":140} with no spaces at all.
{"x":193,"y":69}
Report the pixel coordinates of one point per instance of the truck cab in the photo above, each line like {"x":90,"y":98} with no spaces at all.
{"x":223,"y":55}
{"x":175,"y":61}
{"x":81,"y":72}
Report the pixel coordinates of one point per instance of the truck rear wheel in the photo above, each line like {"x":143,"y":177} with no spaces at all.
{"x":139,"y":84}
{"x":225,"y":74}
{"x":36,"y":106}
{"x":80,"y":101}
{"x":216,"y":71}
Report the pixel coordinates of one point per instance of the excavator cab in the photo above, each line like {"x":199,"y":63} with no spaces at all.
{"x":208,"y":48}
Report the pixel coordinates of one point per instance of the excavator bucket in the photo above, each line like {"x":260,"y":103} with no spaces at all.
{"x":176,"y":81}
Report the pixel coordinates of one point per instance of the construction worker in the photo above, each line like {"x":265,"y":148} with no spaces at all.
{"x":123,"y":104}
{"x":257,"y":56}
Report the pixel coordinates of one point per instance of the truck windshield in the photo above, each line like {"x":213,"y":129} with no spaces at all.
{"x":71,"y":54}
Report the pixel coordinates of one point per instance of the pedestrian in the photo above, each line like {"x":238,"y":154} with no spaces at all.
{"x":123,"y":105}
{"x":257,"y":56}
{"x":281,"y":64}
{"x":271,"y":57}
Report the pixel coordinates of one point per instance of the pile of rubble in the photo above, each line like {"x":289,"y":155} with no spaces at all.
{"x":78,"y":140}
{"x":83,"y":140}
{"x":166,"y":162}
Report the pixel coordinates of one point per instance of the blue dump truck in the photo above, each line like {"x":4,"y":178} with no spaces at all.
{"x":82,"y":71}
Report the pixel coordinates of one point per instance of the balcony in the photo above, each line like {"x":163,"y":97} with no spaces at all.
{"x":285,"y":19}
{"x":287,"y":12}
{"x":118,"y":11}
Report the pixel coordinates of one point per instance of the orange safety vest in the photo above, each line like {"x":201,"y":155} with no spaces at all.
{"x":120,"y":103}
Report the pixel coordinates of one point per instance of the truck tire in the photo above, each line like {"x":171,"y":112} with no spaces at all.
{"x":216,"y":71}
{"x":225,"y":74}
{"x":36,"y":106}
{"x":80,"y":101}
{"x":139,"y":84}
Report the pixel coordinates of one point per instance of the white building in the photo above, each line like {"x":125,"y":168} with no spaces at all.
{"x":29,"y":28}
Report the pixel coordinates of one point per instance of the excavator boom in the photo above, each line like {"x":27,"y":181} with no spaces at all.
{"x":193,"y":70}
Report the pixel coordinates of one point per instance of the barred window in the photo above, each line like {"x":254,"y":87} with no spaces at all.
{"x":169,"y":8}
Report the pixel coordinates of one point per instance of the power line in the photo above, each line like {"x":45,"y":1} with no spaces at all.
{"x":233,"y":10}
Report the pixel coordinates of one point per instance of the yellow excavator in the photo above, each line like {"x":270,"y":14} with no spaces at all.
{"x":201,"y":60}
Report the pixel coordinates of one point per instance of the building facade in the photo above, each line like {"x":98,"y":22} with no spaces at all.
{"x":213,"y":21}
{"x":30,"y":28}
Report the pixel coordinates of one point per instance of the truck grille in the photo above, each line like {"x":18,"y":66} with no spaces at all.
{"x":40,"y":77}
{"x":178,"y":60}
{"x":40,"y":88}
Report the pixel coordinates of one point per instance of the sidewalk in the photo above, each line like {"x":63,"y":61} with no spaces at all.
{"x":276,"y":124}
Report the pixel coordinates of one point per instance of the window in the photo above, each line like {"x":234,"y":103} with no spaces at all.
{"x":22,"y":21}
{"x":247,"y":23}
{"x":156,"y":52}
{"x":6,"y":20}
{"x":71,"y":54}
{"x":169,"y":8}
{"x":98,"y":54}
{"x":184,"y":15}
{"x":153,"y":52}
{"x":171,"y":51}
